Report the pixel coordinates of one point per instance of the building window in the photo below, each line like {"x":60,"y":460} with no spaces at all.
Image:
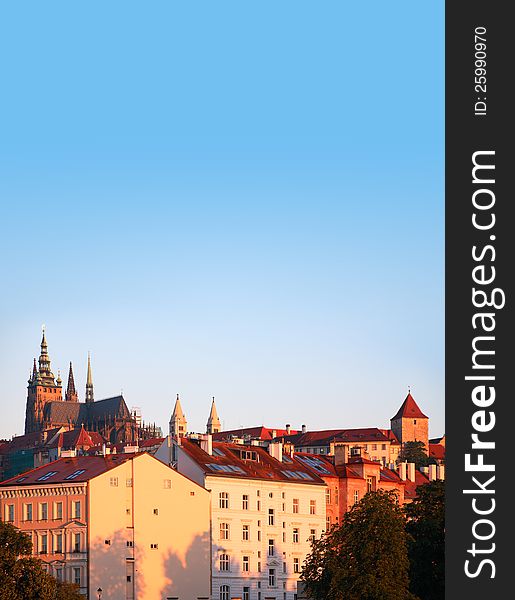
{"x":154,"y":546}
{"x":156,"y":511}
{"x":225,"y":592}
{"x":284,"y":537}
{"x":271,"y":519}
{"x":296,"y":565}
{"x":128,"y":483}
{"x":44,"y":544}
{"x":76,"y":510}
{"x":76,"y":576}
{"x":369,"y":484}
{"x":328,"y":523}
{"x":271,"y":548}
{"x":271,"y":577}
{"x":336,"y":496}
{"x":383,"y":447}
{"x":224,"y":531}
{"x":223,"y":500}
{"x":58,"y":510}
{"x":328,"y":496}
{"x":295,"y":505}
{"x":312,"y":535}
{"x":245,"y":533}
{"x":295,"y":535}
{"x":245,"y":564}
{"x":356,"y":496}
{"x":246,"y":593}
{"x":28,"y":512}
{"x":245,"y":502}
{"x":224,"y":562}
{"x":59,"y":574}
{"x":9,"y":513}
{"x":374,"y":446}
{"x":76,"y":546}
{"x":130,"y":544}
{"x":259,"y":505}
{"x":113,"y":481}
{"x":167,"y":484}
{"x":58,"y":543}
{"x":259,"y":567}
{"x":414,"y":421}
{"x":43,"y":511}
{"x":312,"y":507}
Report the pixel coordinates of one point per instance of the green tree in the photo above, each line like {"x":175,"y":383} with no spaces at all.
{"x":414,"y":452}
{"x":22,"y":577}
{"x":426,"y":548}
{"x":365,"y":558}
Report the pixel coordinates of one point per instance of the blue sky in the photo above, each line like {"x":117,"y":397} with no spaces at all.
{"x":236,"y":199}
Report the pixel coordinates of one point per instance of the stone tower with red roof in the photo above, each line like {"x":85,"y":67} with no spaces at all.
{"x":410,"y":424}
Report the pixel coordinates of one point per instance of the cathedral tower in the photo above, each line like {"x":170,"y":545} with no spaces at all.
{"x":71,"y":393}
{"x":42,"y":388}
{"x":213,"y":422}
{"x":89,"y":384}
{"x":178,"y":425}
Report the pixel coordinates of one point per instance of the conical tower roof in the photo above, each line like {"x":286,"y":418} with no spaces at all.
{"x":409,"y":409}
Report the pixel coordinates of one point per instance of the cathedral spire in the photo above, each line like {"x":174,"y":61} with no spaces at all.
{"x":89,"y":383}
{"x":178,"y":425}
{"x":71,"y":392}
{"x":213,"y":422}
{"x":45,"y":373}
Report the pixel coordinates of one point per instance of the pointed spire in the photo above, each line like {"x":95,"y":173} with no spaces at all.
{"x":213,"y":422}
{"x":89,"y":383}
{"x":45,"y":373}
{"x":71,"y":392}
{"x":178,"y":425}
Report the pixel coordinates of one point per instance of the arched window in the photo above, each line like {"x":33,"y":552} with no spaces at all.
{"x":225,"y":592}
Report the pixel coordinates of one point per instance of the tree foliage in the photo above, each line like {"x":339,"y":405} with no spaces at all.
{"x":426,"y":526}
{"x":365,"y":558}
{"x":22,"y":577}
{"x":414,"y":452}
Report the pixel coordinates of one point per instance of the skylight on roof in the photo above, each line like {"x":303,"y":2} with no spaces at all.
{"x":47,"y":476}
{"x":75,"y":474}
{"x":218,"y":452}
{"x":20,"y":479}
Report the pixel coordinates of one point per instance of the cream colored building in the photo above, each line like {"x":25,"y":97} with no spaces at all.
{"x":265,"y":507}
{"x":125,"y":523}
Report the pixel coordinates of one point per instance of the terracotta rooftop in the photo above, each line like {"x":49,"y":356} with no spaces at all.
{"x":410,"y":490}
{"x":260,"y":432}
{"x":68,"y":470}
{"x":326,"y":436}
{"x":252,"y":462}
{"x":409,"y":409}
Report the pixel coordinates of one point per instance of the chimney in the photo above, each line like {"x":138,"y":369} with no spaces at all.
{"x":275,"y":449}
{"x":274,"y":433}
{"x":103,"y":449}
{"x":341,"y":455}
{"x":288,"y":428}
{"x":402,"y":471}
{"x":411,"y":471}
{"x":432,"y":472}
{"x":304,"y":429}
{"x":440,"y":472}
{"x":206,"y":443}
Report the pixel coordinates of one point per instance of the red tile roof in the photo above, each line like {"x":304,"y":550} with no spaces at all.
{"x":64,"y":468}
{"x":410,"y":490}
{"x":437,"y":451}
{"x":261,"y":433}
{"x":409,"y":409}
{"x":77,"y":437}
{"x":326,"y":436}
{"x":228,"y":460}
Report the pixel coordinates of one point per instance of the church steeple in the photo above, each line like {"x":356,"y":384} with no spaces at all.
{"x":213,"y":422}
{"x":89,"y":383}
{"x":45,"y":373}
{"x":71,"y":392}
{"x":178,"y":425}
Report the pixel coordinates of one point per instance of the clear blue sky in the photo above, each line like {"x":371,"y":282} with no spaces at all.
{"x":232,"y":199}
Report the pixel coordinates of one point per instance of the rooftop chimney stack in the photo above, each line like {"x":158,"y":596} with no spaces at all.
{"x":411,"y":471}
{"x":288,"y":428}
{"x":341,"y":455}
{"x":206,"y":443}
{"x":402,"y":471}
{"x":275,"y":449}
{"x":304,"y":429}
